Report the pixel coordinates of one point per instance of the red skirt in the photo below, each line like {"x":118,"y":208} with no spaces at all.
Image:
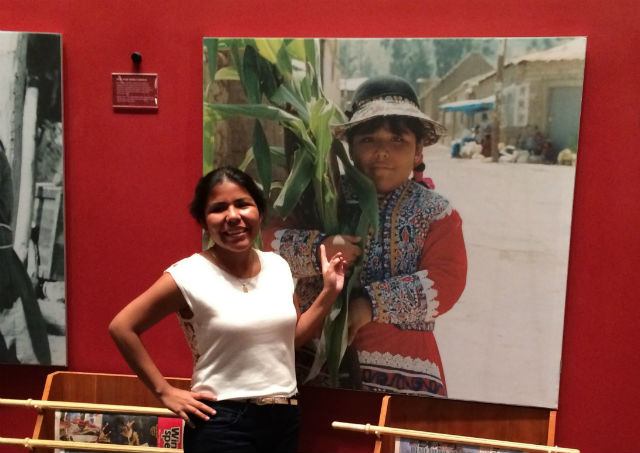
{"x":393,"y":360}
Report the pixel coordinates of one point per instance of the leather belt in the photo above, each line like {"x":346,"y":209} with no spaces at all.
{"x":264,"y":400}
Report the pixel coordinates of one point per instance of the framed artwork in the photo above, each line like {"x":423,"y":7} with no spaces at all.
{"x":32,"y":264}
{"x":463,"y":262}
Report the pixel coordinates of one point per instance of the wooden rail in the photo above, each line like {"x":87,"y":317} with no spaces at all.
{"x":66,"y":445}
{"x":413,"y":434}
{"x":89,"y":407}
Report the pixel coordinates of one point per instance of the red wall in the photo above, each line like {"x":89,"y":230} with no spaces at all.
{"x":130,"y":177}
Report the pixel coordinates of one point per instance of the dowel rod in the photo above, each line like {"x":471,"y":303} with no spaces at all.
{"x":378,"y":430}
{"x":36,"y":443}
{"x":88,"y":407}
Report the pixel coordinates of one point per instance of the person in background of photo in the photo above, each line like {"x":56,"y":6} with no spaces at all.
{"x":237,"y":307}
{"x":15,"y":285}
{"x":8,"y":293}
{"x":414,"y":269}
{"x":484,"y":135}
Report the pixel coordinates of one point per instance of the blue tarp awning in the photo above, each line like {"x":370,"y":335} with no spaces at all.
{"x":470,"y":106}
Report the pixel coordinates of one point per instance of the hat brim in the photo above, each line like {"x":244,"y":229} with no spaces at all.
{"x":380,"y":107}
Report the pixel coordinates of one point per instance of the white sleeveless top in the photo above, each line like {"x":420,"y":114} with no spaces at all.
{"x":242,"y":343}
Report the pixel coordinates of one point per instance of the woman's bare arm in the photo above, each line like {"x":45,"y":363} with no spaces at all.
{"x":160,"y":300}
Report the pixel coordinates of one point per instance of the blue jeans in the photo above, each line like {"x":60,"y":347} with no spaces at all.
{"x":244,"y":427}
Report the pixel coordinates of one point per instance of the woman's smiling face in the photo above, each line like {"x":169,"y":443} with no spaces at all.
{"x":385,"y":156}
{"x":232,"y":217}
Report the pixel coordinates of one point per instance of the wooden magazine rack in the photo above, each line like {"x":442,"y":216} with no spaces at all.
{"x":94,"y":388}
{"x":491,"y":421}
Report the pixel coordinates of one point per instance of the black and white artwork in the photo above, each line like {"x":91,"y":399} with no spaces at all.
{"x":32,"y":264}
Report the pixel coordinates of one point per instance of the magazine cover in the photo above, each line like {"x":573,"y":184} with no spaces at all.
{"x":405,"y":445}
{"x":120,"y":429}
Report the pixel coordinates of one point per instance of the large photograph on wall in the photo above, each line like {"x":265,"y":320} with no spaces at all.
{"x":32,"y":265}
{"x":444,"y":170}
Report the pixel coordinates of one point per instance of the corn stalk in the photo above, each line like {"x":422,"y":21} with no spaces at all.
{"x":281,"y":81}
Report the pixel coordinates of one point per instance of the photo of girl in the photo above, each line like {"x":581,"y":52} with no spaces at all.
{"x":414,"y":268}
{"x":413,"y":158}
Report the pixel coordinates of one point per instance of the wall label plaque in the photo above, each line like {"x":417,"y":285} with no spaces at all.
{"x":134,"y":92}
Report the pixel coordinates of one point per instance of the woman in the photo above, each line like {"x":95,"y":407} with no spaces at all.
{"x":237,"y":309}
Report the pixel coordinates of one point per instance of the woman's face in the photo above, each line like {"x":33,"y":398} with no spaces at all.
{"x":232,"y":217}
{"x":387,"y":158}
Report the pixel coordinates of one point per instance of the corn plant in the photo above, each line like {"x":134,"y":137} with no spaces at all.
{"x":281,"y":81}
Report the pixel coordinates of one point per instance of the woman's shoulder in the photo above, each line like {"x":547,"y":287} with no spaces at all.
{"x":269,"y":257}
{"x":273,"y":260}
{"x":189,"y":263}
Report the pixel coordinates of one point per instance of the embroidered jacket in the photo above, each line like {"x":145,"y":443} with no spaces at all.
{"x":414,"y":268}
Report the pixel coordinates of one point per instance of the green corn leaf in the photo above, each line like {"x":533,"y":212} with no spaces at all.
{"x":329,"y":207}
{"x":269,"y":47}
{"x":285,"y":95}
{"x":207,"y":153}
{"x":306,"y":90}
{"x":277,"y":159}
{"x":301,"y":131}
{"x":210,"y":113}
{"x":363,"y":186}
{"x":295,"y":184}
{"x":264,"y":112}
{"x":234,"y":51}
{"x":338,"y":116}
{"x":208,"y":147}
{"x":262,"y":156}
{"x":251,"y":79}
{"x":336,"y":340}
{"x":211,"y":44}
{"x":227,"y":73}
{"x":225,"y":43}
{"x":260,"y":111}
{"x":297,"y":48}
{"x":336,"y":324}
{"x":246,"y":160}
{"x":268,"y":81}
{"x":283,"y":63}
{"x":320,"y":115}
{"x":312,"y":65}
{"x":311,"y":52}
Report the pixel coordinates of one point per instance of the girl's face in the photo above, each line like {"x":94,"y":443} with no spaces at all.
{"x":232,"y":217}
{"x":386,"y":157}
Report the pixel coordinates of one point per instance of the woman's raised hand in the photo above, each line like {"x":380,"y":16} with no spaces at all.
{"x":332,"y":271}
{"x":184,"y":402}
